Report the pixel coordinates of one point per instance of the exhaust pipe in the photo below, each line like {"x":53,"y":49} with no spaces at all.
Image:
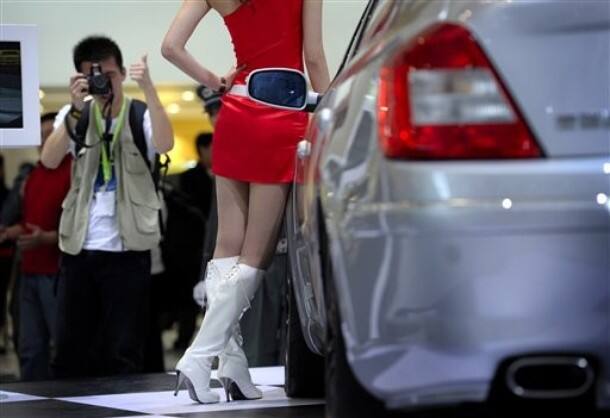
{"x":552,"y":377}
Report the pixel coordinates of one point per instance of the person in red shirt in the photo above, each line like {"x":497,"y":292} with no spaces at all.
{"x":36,"y":236}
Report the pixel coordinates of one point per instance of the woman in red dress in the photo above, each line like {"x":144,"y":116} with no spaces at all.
{"x":254,"y":154}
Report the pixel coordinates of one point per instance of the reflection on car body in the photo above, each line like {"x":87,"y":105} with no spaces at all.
{"x":461,"y":212}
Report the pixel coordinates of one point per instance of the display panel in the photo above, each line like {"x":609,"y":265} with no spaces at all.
{"x":11,"y":103}
{"x":19,"y":87}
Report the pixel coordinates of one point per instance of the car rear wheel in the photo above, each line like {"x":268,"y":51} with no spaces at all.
{"x":304,"y":370}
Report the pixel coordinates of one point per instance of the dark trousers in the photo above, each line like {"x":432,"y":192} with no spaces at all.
{"x":153,"y":349}
{"x":6,"y":267}
{"x":102,"y":318}
{"x":37,"y":324}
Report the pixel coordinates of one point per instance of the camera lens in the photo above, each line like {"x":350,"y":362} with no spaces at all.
{"x":99,"y":83}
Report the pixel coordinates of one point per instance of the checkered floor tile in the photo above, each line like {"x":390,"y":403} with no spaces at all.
{"x":147,"y":396}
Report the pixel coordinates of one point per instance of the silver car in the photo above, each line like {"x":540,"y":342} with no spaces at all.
{"x":449,"y":228}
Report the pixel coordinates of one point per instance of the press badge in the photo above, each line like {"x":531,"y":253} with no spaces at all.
{"x":105,"y":203}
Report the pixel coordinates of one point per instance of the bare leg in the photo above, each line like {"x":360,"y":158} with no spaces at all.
{"x":232,"y":198}
{"x":265,"y":213}
{"x":249,"y":218}
{"x":217,"y":328}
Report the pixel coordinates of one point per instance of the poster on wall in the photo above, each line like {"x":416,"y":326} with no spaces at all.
{"x":19,"y":86}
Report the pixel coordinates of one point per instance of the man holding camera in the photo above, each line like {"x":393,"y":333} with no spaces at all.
{"x":110,"y":217}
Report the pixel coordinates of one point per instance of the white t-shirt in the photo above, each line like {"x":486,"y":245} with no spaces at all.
{"x":102,"y":228}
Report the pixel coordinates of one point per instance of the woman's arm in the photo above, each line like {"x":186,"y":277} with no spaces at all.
{"x":315,"y":58}
{"x":173,"y":47}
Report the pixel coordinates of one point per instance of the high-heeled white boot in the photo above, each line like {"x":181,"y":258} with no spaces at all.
{"x":233,"y":371}
{"x":230,"y":299}
{"x":195,"y":371}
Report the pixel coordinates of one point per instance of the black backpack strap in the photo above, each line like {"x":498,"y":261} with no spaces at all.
{"x":137,"y":109}
{"x":136,"y":120}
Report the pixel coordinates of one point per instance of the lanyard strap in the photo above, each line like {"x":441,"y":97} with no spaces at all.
{"x":99,"y":124}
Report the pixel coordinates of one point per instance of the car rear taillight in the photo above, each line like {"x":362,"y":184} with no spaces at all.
{"x":440,"y":98}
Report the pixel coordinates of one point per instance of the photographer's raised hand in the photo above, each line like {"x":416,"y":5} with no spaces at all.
{"x":140,"y":74}
{"x":162,"y":132}
{"x":79,"y":89}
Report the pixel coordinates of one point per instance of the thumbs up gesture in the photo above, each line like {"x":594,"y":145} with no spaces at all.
{"x":139,"y":73}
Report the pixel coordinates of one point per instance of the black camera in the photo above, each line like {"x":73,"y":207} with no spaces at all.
{"x":99,"y":84}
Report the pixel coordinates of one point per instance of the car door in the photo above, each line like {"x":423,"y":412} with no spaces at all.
{"x":302,"y":217}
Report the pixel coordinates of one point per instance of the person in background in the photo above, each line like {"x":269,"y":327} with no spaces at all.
{"x":4,"y":191}
{"x":211,"y":105}
{"x":197,"y":186}
{"x":36,"y":236}
{"x":196,"y":183}
{"x":110,"y":220}
{"x":11,"y":214}
{"x":6,"y":259}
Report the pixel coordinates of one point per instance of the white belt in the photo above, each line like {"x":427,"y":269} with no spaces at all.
{"x":239,"y":90}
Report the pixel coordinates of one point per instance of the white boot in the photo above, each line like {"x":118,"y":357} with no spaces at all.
{"x":233,"y":370}
{"x":216,"y":269}
{"x":195,"y":370}
{"x":230,"y":299}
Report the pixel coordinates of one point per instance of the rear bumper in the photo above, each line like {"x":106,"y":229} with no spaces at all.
{"x":435,"y":295}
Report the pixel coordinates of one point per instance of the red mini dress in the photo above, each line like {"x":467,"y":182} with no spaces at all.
{"x":254,"y":142}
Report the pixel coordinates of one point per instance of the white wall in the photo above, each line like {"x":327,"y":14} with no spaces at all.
{"x":138,"y":26}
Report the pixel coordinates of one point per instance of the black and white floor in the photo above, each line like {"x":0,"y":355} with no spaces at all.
{"x":148,"y":396}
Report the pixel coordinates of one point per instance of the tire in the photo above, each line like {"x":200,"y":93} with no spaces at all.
{"x":304,"y":370}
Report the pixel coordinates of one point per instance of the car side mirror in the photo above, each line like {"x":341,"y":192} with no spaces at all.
{"x":282,"y":88}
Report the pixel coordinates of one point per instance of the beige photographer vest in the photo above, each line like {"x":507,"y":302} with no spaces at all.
{"x":137,"y":203}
